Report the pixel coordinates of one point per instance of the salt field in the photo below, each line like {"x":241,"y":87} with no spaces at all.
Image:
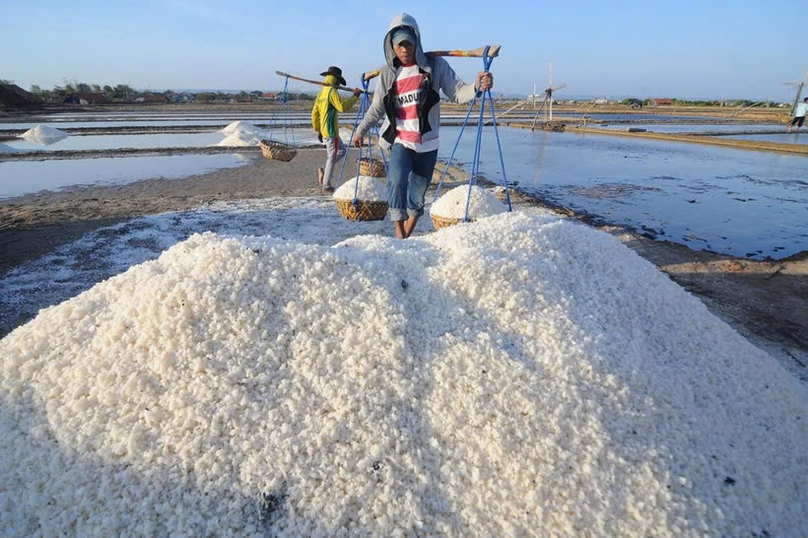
{"x":223,"y":315}
{"x":140,"y":119}
{"x":735,"y":202}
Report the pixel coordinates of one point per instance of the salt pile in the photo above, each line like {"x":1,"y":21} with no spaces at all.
{"x":240,"y":134}
{"x":520,"y":375}
{"x":44,"y":134}
{"x":370,"y":189}
{"x":239,"y":126}
{"x":452,"y":205}
{"x":241,"y":139}
{"x":7,"y":149}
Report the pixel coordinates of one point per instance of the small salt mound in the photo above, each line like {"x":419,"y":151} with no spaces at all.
{"x":241,"y":139}
{"x":44,"y":134}
{"x":452,"y":205}
{"x":370,"y":189}
{"x":7,"y":149}
{"x":240,"y":126}
{"x":516,"y":376}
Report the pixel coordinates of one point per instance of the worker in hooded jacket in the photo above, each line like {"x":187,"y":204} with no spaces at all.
{"x":407,"y":97}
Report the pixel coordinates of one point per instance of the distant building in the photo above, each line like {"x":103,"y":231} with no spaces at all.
{"x":600,"y":101}
{"x":660,"y":102}
{"x":83,"y":98}
{"x":269,"y":96}
{"x":151,"y":98}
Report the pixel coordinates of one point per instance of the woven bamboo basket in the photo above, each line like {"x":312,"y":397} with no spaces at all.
{"x":278,"y":150}
{"x":372,"y":168}
{"x":363,"y":210}
{"x":440,"y":222}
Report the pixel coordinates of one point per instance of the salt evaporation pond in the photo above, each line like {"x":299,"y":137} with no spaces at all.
{"x":101,"y":142}
{"x":27,"y":177}
{"x":689,"y":127}
{"x":296,"y":116}
{"x":783,"y":138}
{"x":640,"y":116}
{"x":178,"y":122}
{"x":515,"y":376}
{"x":302,"y":137}
{"x":739,"y":202}
{"x":299,"y":118}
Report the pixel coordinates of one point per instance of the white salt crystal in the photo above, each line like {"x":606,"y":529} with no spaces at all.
{"x":370,"y":188}
{"x":452,"y":204}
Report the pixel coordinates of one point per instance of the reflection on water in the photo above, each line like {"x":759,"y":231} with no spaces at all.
{"x":131,"y":123}
{"x":27,"y":177}
{"x":783,"y":138}
{"x":739,"y":202}
{"x":690,"y":128}
{"x":100,"y":142}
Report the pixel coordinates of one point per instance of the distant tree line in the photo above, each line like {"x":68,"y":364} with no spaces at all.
{"x":242,"y":97}
{"x":125,"y":92}
{"x":59,"y":92}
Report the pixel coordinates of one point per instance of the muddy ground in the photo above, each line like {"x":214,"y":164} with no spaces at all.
{"x":766,"y":301}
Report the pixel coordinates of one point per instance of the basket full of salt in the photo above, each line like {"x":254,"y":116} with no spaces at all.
{"x":451,"y":207}
{"x":367,"y":202}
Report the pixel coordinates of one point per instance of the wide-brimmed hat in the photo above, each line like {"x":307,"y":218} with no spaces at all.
{"x":337,"y":72}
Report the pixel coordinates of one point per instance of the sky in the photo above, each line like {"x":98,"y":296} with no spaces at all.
{"x":686,"y":49}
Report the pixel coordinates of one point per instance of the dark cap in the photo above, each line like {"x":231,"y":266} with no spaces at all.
{"x":403,"y":33}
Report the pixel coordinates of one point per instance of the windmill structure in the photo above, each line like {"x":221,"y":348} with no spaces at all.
{"x":800,"y":86}
{"x":547,"y":103}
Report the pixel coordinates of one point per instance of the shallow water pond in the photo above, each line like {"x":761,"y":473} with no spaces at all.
{"x":782,"y":138}
{"x":689,"y":127}
{"x":26,"y":177}
{"x":739,"y":202}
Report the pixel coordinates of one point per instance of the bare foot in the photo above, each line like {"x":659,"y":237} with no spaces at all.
{"x":409,"y":226}
{"x":320,"y":174}
{"x":399,"y":226}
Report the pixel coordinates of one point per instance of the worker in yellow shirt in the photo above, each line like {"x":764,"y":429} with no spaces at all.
{"x":325,"y":121}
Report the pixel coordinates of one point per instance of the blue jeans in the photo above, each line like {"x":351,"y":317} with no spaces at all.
{"x":409,"y":176}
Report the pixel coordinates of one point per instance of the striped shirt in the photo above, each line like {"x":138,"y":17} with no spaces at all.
{"x":409,"y":94}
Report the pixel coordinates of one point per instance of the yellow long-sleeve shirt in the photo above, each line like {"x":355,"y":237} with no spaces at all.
{"x":325,"y":113}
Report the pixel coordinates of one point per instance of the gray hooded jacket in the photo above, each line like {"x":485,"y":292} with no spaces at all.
{"x":440,"y":76}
